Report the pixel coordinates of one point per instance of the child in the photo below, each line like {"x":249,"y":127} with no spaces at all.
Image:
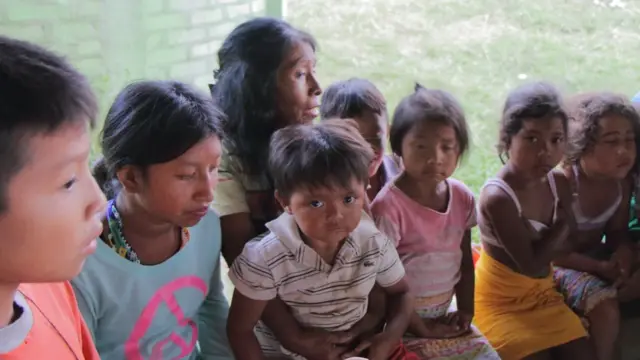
{"x":600,"y":153}
{"x":429,"y":216}
{"x":153,"y":288}
{"x":323,"y":255}
{"x":360,"y":100}
{"x":49,"y":203}
{"x":524,"y":223}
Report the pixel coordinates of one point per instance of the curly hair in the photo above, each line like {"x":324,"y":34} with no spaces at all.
{"x":533,"y":101}
{"x":585,"y":113}
{"x":245,"y":87}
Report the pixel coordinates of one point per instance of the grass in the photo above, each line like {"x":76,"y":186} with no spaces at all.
{"x":478,"y":50}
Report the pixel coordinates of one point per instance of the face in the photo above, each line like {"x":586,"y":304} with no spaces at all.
{"x":538,"y":147}
{"x":430,"y":152}
{"x":298,"y":88}
{"x":327,"y":215}
{"x":54,"y":206}
{"x":614,"y":151}
{"x":179,"y":191}
{"x":374,"y":129}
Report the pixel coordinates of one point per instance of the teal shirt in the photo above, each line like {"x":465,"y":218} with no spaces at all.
{"x":173,"y":310}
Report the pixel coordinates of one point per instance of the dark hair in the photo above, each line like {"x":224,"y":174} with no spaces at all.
{"x":331,"y":153}
{"x":428,"y":105}
{"x":585,"y":112}
{"x":40,"y":92}
{"x":246,"y":86}
{"x":351,"y":98}
{"x":532,"y":101}
{"x":153,"y":122}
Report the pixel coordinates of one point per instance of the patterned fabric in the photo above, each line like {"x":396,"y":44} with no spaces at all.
{"x":318,"y":294}
{"x":582,"y":291}
{"x":428,"y":241}
{"x":470,"y":346}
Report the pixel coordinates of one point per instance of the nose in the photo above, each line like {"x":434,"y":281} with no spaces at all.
{"x":314,"y":85}
{"x":334,"y":214}
{"x":98,"y":201}
{"x":206,"y":187}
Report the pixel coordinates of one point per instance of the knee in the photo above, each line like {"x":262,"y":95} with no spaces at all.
{"x":607,"y":311}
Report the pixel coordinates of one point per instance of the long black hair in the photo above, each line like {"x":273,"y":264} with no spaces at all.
{"x":245,"y":87}
{"x":152,"y":122}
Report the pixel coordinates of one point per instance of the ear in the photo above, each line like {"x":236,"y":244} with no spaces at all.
{"x":284,"y":203}
{"x":131,"y":178}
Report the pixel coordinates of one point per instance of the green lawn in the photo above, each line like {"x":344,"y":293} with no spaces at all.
{"x":476,"y":49}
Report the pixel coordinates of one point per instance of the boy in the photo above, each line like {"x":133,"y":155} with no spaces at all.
{"x":360,"y":100}
{"x":49,"y":203}
{"x":323,"y":255}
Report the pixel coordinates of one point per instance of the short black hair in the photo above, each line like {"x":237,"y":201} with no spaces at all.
{"x":531,"y":101}
{"x":428,"y":105}
{"x":331,"y":153}
{"x":40,"y":92}
{"x":153,"y":122}
{"x":585,"y":111}
{"x":351,"y":98}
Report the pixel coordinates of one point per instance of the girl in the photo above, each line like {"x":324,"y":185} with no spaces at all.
{"x":153,"y":289}
{"x":360,"y":100}
{"x":601,"y":151}
{"x":524,"y":223}
{"x":265,"y":82}
{"x":429,"y":216}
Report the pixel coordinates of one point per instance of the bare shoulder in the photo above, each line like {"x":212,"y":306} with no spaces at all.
{"x":494,"y":200}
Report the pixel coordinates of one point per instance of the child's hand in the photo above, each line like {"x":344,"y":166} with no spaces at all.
{"x":462,"y":319}
{"x":623,"y":258}
{"x":379,"y":347}
{"x":324,"y":345}
{"x":608,"y":270}
{"x":441,"y":328}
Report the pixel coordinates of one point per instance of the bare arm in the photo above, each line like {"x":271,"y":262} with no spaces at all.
{"x":617,"y":228}
{"x":465,"y":287}
{"x":399,"y":308}
{"x":516,"y":238}
{"x":243,"y":316}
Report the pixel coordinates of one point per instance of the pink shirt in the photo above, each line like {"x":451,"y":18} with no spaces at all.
{"x":428,"y":241}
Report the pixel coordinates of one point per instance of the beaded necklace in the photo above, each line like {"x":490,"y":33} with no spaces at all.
{"x":116,"y":239}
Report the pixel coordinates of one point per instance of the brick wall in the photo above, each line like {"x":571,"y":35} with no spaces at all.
{"x":116,"y":41}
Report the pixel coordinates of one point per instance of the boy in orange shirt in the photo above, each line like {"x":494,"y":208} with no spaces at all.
{"x":49,"y":203}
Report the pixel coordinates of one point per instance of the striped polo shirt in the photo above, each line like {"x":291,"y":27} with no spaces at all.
{"x":318,"y":294}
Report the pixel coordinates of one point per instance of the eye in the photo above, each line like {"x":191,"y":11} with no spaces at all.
{"x":316,"y":204}
{"x":300,"y":74}
{"x":532,"y":139}
{"x":558,"y":140}
{"x":186,"y":176}
{"x":69,"y":184}
{"x":349,"y":199}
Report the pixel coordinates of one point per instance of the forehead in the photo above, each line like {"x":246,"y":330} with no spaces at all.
{"x":371,"y":124}
{"x":546,"y":125}
{"x":66,"y":144}
{"x":431,"y":130}
{"x":206,"y":151}
{"x":329,"y":191}
{"x":614,"y":124}
{"x":300,"y":53}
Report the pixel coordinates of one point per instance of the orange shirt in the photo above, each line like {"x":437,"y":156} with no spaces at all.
{"x":50,"y":327}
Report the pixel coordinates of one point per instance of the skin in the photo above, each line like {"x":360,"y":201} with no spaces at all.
{"x":602,"y":169}
{"x":430,"y":154}
{"x":157,"y":203}
{"x":533,"y":152}
{"x":374,"y":128}
{"x":56,"y":176}
{"x":325,"y":216}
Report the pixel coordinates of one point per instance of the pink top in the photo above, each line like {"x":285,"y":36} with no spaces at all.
{"x":428,"y":241}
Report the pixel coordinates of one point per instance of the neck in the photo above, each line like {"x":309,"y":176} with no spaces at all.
{"x":138,"y":222}
{"x":590,"y":176}
{"x":326,"y":250}
{"x":419,"y":189}
{"x":518,"y":179}
{"x":7,"y":293}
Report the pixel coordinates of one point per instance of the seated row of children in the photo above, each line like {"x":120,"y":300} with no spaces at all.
{"x":361,"y":278}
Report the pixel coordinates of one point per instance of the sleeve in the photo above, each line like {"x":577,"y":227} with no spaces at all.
{"x":86,"y":305}
{"x":386,"y":220}
{"x":251,"y":275}
{"x":390,"y":269}
{"x":85,"y":335}
{"x":471,"y":220}
{"x":229,"y":195}
{"x":212,"y":322}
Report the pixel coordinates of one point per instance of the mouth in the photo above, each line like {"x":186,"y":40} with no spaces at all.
{"x":624,"y":164}
{"x":199,"y":212}
{"x":91,"y":247}
{"x":312,"y":112}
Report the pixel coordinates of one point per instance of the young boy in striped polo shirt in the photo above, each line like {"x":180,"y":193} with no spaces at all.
{"x":323,"y":255}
